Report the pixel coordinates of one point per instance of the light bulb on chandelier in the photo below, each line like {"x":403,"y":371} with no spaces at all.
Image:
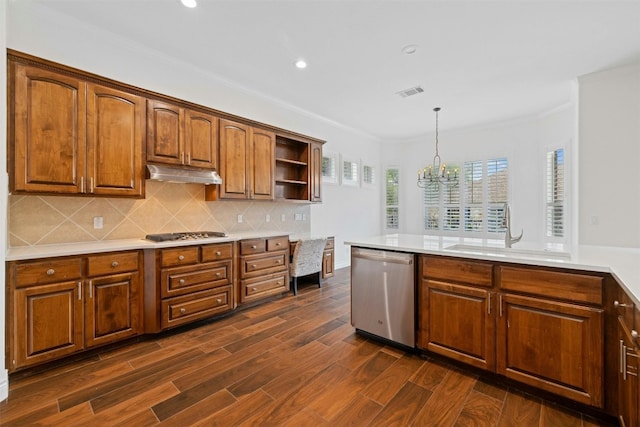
{"x":437,"y":173}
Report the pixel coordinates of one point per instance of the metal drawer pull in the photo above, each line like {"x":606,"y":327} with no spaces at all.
{"x":254,"y":247}
{"x":621,"y":353}
{"x":183,"y":310}
{"x":634,"y":334}
{"x":51,"y":272}
{"x":218,"y":253}
{"x":181,"y":257}
{"x":79,"y":291}
{"x":181,"y":281}
{"x":114,"y":264}
{"x":489,"y":304}
{"x":617,"y":304}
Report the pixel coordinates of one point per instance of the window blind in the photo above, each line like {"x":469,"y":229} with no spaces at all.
{"x":391,"y":198}
{"x":555,"y":193}
{"x":497,"y":194}
{"x":431,"y":199}
{"x":329,"y":168}
{"x":473,"y":193}
{"x":368,"y":175}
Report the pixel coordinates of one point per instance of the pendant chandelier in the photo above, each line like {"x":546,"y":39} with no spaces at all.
{"x":437,"y":173}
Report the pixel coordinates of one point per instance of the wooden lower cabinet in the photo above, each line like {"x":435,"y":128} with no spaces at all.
{"x":553,"y":346}
{"x":61,"y":306}
{"x":328,"y":258}
{"x":263,"y":268}
{"x":628,"y":382}
{"x":458,"y":323}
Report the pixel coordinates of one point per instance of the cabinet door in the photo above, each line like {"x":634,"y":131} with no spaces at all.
{"x":628,"y":410}
{"x":115,"y":126}
{"x":327,"y":264}
{"x":234,"y":160}
{"x":201,"y":139}
{"x":112,"y":308}
{"x":49,"y":137}
{"x":554,"y":346}
{"x":164,"y":133}
{"x":48,"y":323}
{"x":315,"y":172}
{"x":456,"y":321}
{"x":262,"y":164}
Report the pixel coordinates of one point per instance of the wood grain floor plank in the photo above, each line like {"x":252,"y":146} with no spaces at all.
{"x":430,"y":375}
{"x":337,"y":334}
{"x":447,"y":400}
{"x":91,"y":392}
{"x":29,"y":417}
{"x":238,"y":412}
{"x":262,"y":335}
{"x":205,"y":407}
{"x":362,"y":353}
{"x":495,"y":390}
{"x":306,"y":418}
{"x":385,"y":386}
{"x":358,"y":412}
{"x":348,"y":387}
{"x":520,"y":409}
{"x":552,"y":416}
{"x":403,"y":407}
{"x":200,"y":391}
{"x":78,"y":415}
{"x":479,"y":410}
{"x":144,"y":418}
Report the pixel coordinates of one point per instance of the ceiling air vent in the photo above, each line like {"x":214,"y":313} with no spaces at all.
{"x":410,"y":92}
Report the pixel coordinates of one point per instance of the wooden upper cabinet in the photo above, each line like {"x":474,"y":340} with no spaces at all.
{"x":246,"y":162}
{"x":115,"y":132}
{"x":181,"y":136}
{"x":201,"y":139}
{"x":47,"y":111}
{"x":74,"y":137}
{"x":315,"y":172}
{"x":262,"y":160}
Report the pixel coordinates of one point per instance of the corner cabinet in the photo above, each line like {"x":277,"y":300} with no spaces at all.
{"x":62,"y":306}
{"x":181,"y":136}
{"x":71,"y":136}
{"x":247,"y":163}
{"x":539,"y":326}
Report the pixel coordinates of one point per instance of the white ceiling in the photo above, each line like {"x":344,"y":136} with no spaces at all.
{"x":481,"y":61}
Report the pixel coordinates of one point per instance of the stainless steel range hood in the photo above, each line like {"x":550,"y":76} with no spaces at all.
{"x":178,"y":174}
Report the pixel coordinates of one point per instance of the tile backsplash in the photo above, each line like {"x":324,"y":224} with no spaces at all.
{"x":168,"y":207}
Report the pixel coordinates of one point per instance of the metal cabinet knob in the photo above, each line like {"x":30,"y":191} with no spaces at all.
{"x":634,"y":334}
{"x":218,"y":253}
{"x":254,"y":247}
{"x":278,"y":261}
{"x":114,"y":264}
{"x":254,"y":266}
{"x":617,"y":304}
{"x":183,"y":310}
{"x":253,"y":289}
{"x":278,"y":244}
{"x":181,"y":257}
{"x":181,"y":281}
{"x":219,"y":301}
{"x":51,"y":272}
{"x":218,"y":274}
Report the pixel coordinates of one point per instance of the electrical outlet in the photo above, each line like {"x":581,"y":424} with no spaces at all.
{"x":298,"y":217}
{"x":304,"y":217}
{"x":98,"y":222}
{"x":239,"y":218}
{"x":267,"y":218}
{"x":283,"y":217}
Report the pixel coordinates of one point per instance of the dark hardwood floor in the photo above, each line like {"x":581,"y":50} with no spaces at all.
{"x":295,"y":361}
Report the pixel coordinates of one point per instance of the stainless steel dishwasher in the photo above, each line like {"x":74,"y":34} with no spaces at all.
{"x":383,"y":294}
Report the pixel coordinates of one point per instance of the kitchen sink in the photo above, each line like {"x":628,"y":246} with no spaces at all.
{"x":511,"y":252}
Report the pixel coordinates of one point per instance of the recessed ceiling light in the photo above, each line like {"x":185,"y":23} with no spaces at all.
{"x":189,"y":3}
{"x":409,"y":49}
{"x":301,"y":63}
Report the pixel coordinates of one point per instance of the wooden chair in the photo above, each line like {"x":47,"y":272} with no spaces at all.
{"x":307,"y":259}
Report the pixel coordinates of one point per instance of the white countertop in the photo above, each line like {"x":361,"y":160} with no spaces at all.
{"x":622,"y":263}
{"x":65,"y":249}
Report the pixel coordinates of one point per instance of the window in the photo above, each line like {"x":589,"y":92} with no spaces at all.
{"x":392,"y":176}
{"x":475,"y":205}
{"x":555,"y":193}
{"x":368,"y":175}
{"x":350,"y":174}
{"x":329,"y":168}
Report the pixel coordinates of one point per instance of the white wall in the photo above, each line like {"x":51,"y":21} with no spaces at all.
{"x":609,"y":144}
{"x":4,"y":384}
{"x":523,"y":142}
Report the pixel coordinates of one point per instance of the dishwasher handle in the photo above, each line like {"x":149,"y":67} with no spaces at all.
{"x":386,"y":257}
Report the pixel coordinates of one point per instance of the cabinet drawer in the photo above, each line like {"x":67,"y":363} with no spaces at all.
{"x":330,"y":243}
{"x":179,"y":256}
{"x":264,"y":286}
{"x":199,"y":305}
{"x":100,"y":265}
{"x":217,"y":252}
{"x":552,"y":284}
{"x":47,"y":271}
{"x":253,"y":246}
{"x":457,"y":270}
{"x":183,"y":280}
{"x":277,"y":243}
{"x":271,"y":263}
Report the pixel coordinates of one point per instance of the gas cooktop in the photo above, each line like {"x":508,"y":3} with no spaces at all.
{"x":186,"y":235}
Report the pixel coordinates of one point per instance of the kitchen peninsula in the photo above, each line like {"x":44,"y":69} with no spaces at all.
{"x":561,"y":322}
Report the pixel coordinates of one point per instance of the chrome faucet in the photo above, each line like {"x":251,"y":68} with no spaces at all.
{"x":506,"y":223}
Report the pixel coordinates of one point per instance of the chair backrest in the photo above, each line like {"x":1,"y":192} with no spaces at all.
{"x":307,"y":256}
